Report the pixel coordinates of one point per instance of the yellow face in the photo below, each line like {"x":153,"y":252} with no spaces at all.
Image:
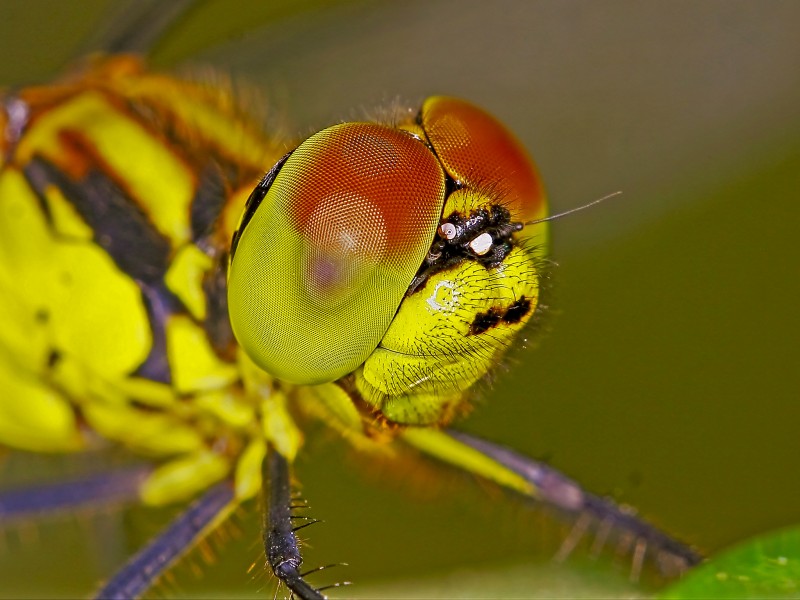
{"x":395,"y":259}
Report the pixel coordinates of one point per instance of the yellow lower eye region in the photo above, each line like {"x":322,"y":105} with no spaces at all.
{"x":326,"y":258}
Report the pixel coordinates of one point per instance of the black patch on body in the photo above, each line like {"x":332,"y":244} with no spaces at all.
{"x":120,"y":226}
{"x":494,"y":316}
{"x":53,"y":357}
{"x":160,"y":303}
{"x":208,"y":202}
{"x":125,"y":232}
{"x":218,"y":324}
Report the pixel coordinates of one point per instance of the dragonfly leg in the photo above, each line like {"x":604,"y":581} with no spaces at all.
{"x":545,"y":484}
{"x":136,"y":27}
{"x":117,"y":487}
{"x":565,"y":494}
{"x":280,"y":541}
{"x":189,"y":528}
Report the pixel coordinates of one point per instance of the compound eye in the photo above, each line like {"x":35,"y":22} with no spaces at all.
{"x":323,"y":264}
{"x":478,"y":151}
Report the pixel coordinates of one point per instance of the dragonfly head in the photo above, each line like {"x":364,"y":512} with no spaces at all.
{"x":393,"y":256}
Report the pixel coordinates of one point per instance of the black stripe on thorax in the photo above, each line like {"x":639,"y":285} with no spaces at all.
{"x":159,"y":303}
{"x":208,"y":202}
{"x":120,"y":226}
{"x":122,"y":229}
{"x":138,"y":249}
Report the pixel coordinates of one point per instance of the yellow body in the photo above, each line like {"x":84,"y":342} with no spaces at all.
{"x":102,"y":346}
{"x":76,"y":324}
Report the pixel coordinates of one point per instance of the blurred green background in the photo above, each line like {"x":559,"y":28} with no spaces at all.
{"x":667,"y":374}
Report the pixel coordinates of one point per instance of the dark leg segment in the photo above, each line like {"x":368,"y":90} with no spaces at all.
{"x":136,"y":27}
{"x":119,"y":487}
{"x":566,"y":495}
{"x":139,"y":574}
{"x":280,"y":541}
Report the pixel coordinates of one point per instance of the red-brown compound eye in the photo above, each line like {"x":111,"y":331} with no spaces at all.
{"x":325,"y":260}
{"x":477,"y":150}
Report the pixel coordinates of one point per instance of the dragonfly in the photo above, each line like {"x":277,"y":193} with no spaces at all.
{"x":179,"y":283}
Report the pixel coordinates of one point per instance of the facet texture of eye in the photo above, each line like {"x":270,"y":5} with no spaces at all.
{"x":477,"y":150}
{"x":326,"y":259}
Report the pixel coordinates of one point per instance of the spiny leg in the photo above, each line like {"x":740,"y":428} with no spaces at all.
{"x":557,"y":489}
{"x":543,"y":483}
{"x":280,"y":541}
{"x":185,"y":532}
{"x":118,"y":487}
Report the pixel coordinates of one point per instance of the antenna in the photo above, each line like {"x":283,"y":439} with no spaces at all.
{"x":573,"y":210}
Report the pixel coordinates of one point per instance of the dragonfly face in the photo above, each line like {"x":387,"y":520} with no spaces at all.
{"x":397,"y":255}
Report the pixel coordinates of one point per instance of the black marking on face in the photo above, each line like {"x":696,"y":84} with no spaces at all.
{"x":517,"y":311}
{"x":485,"y":321}
{"x":494,"y":316}
{"x":445,"y":253}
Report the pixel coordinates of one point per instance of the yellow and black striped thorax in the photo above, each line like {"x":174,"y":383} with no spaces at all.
{"x":119,"y":193}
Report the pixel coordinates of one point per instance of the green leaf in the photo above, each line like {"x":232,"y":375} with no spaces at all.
{"x":767,"y":566}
